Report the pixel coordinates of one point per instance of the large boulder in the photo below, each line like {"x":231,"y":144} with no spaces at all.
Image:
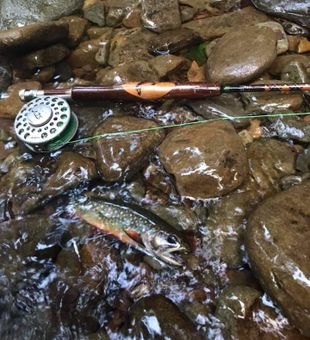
{"x":242,"y":55}
{"x":206,"y":160}
{"x":14,"y":13}
{"x":278,"y":245}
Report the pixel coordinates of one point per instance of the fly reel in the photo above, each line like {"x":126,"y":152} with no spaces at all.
{"x":46,"y":124}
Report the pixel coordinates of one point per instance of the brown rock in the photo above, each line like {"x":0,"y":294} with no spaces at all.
{"x":130,"y":45}
{"x":77,"y":27}
{"x":85,"y":54}
{"x":96,"y":32}
{"x":173,"y":41}
{"x":167,"y":64}
{"x":10,"y":106}
{"x":277,"y":242}
{"x":45,"y":74}
{"x":303,"y":46}
{"x":41,"y":58}
{"x":32,"y":36}
{"x":161,"y":15}
{"x":94,"y":11}
{"x":207,"y":160}
{"x":187,"y":13}
{"x":119,"y":158}
{"x":277,"y":66}
{"x":269,"y":160}
{"x":133,"y":19}
{"x":216,"y":26}
{"x":134,"y":71}
{"x":241,"y":55}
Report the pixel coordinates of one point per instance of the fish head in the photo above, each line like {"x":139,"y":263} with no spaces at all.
{"x":166,"y":246}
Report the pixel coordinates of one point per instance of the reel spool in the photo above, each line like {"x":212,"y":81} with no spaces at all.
{"x":46,"y":124}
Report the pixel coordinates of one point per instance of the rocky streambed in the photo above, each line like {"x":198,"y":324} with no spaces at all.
{"x":238,"y":190}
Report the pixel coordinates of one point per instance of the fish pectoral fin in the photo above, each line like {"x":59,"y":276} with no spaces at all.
{"x":133,"y":234}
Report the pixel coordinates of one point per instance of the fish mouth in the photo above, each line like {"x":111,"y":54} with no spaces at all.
{"x":171,"y":255}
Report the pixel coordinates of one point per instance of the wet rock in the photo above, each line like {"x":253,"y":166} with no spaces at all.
{"x":226,"y":106}
{"x":303,"y":46}
{"x":94,"y":11}
{"x":96,"y":32}
{"x":194,"y":156}
{"x":187,"y":13}
{"x":63,"y":71}
{"x":303,"y":161}
{"x":216,"y":26}
{"x":291,"y":128}
{"x":165,"y":65}
{"x":274,"y":102}
{"x":85,"y":54}
{"x":77,"y":27}
{"x":297,"y":11}
{"x":278,"y":228}
{"x":133,"y":71}
{"x":289,"y":181}
{"x":295,"y":72}
{"x":120,"y":157}
{"x":71,"y":170}
{"x":130,"y":45}
{"x":5,"y":74}
{"x":32,"y":36}
{"x":155,"y":316}
{"x":269,"y":160}
{"x":133,"y":18}
{"x":41,"y":58}
{"x":115,"y":16}
{"x":282,"y":41}
{"x":277,"y":67}
{"x":15,"y":13}
{"x":241,"y":55}
{"x":161,"y":15}
{"x":102,"y":56}
{"x":225,"y":227}
{"x":10,"y":106}
{"x":45,"y":74}
{"x":173,"y":41}
{"x":235,"y":303}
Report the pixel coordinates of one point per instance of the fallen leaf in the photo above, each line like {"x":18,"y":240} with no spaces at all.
{"x":195,"y":73}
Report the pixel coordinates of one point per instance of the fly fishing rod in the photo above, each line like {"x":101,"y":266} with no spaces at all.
{"x":155,"y":91}
{"x":47,"y":123}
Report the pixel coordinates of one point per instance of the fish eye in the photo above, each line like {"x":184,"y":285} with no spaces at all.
{"x":172,"y":239}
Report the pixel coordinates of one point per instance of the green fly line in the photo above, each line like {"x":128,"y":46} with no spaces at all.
{"x":198,"y":122}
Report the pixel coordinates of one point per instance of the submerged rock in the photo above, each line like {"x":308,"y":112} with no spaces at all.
{"x":130,"y":45}
{"x":269,"y":160}
{"x":241,"y":55}
{"x":278,"y":246}
{"x":207,"y":160}
{"x":77,"y":27}
{"x":32,"y":36}
{"x":94,"y":11}
{"x":161,"y":15}
{"x":168,"y":64}
{"x":173,"y":41}
{"x":155,"y":317}
{"x":282,"y":61}
{"x":291,"y":128}
{"x":216,"y":26}
{"x":41,"y":58}
{"x":118,"y":158}
{"x":134,"y":71}
{"x":297,"y":10}
{"x":15,"y":13}
{"x":226,"y":106}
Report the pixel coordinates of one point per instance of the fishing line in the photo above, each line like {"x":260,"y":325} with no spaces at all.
{"x":204,"y":121}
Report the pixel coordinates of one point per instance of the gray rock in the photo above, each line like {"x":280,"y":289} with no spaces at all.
{"x":15,"y":13}
{"x":216,"y":26}
{"x":295,"y":72}
{"x":303,"y":161}
{"x":277,"y":242}
{"x":278,"y":65}
{"x":161,"y":15}
{"x":94,"y":11}
{"x":242,"y":55}
{"x":32,"y":36}
{"x":297,"y":10}
{"x":292,"y":128}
